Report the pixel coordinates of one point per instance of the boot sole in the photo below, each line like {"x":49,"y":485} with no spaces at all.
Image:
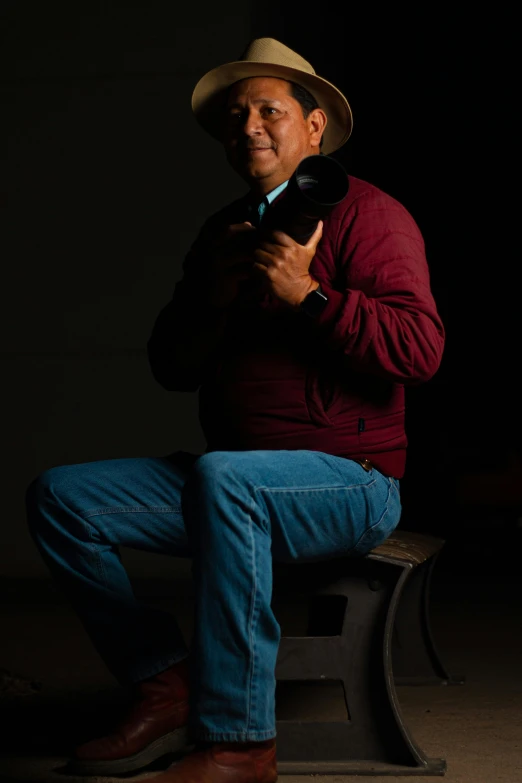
{"x":174,"y":742}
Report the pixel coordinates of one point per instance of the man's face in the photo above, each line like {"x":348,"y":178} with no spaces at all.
{"x":265,"y":134}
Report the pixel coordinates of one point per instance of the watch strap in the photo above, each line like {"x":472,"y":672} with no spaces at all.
{"x":314,"y":303}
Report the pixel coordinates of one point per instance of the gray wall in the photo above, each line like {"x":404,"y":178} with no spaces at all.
{"x":107,"y":178}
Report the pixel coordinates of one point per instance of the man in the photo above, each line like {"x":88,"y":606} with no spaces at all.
{"x":300,"y":352}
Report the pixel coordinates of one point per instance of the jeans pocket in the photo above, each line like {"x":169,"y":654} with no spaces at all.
{"x":388,"y":520}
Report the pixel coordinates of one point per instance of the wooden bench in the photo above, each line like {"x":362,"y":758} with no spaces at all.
{"x":368,"y":629}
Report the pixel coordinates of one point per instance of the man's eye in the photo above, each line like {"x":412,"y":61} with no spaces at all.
{"x":269,"y":110}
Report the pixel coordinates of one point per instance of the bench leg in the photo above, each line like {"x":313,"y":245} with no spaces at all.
{"x":374,"y":740}
{"x":416,"y":660}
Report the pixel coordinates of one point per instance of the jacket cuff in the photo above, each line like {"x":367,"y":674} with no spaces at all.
{"x":333,"y":307}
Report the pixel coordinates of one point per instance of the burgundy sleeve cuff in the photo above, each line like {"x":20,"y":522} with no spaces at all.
{"x":333,"y":307}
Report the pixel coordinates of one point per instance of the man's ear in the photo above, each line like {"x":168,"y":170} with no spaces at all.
{"x":317,"y":121}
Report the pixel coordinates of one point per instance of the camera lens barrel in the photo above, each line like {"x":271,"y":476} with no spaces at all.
{"x":318,"y":184}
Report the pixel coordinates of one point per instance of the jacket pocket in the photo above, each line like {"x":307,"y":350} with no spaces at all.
{"x":323,"y":398}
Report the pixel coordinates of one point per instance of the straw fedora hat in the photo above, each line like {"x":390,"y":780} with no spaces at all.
{"x":268,"y":57}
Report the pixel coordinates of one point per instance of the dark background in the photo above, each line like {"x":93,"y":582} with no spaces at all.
{"x":106,"y":179}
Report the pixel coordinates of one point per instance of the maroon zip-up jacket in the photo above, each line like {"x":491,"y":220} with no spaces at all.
{"x":270,"y":377}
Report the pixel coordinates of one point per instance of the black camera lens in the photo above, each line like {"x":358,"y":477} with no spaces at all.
{"x":318,"y":184}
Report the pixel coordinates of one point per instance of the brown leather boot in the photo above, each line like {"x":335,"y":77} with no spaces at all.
{"x":154,"y":726}
{"x":224,"y":763}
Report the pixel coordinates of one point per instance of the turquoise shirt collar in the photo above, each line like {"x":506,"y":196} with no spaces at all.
{"x":269,"y":198}
{"x":276,"y":191}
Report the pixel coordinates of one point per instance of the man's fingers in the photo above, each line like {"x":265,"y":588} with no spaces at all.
{"x":238,"y":228}
{"x":280,"y":238}
{"x":232,"y":232}
{"x":270,"y":247}
{"x":265,"y":249}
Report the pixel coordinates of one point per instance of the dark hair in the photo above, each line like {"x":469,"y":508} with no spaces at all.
{"x":305,"y":99}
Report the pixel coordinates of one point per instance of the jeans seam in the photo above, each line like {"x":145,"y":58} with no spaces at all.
{"x":132,"y":510}
{"x":96,"y":556}
{"x":251,"y":695}
{"x":314,"y":489}
{"x":107,"y":510}
{"x":364,"y":486}
{"x":235,"y":736}
{"x":381,"y":519}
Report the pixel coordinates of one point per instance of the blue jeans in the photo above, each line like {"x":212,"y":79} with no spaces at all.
{"x":232,"y":513}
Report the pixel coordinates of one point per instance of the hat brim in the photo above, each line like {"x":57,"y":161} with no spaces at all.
{"x":209,"y":95}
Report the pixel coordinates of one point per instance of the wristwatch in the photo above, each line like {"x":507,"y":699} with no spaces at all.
{"x":314,"y":303}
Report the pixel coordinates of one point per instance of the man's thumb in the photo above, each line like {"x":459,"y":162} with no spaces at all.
{"x":316,"y":236}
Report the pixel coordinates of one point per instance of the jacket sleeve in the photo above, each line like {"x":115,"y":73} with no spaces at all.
{"x":185,"y":336}
{"x":382,"y":314}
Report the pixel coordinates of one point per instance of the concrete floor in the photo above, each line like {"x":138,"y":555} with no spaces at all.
{"x":475,"y":727}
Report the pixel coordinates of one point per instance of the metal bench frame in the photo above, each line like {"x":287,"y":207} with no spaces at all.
{"x":383,"y":639}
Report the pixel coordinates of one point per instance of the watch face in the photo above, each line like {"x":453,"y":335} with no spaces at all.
{"x":314,"y":303}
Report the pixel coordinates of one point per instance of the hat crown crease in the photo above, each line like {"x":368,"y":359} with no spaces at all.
{"x":267,"y":50}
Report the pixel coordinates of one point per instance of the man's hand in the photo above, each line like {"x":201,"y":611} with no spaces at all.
{"x":232,"y":262}
{"x":282,"y":264}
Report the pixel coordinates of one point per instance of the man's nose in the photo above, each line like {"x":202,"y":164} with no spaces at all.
{"x":252,"y":124}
